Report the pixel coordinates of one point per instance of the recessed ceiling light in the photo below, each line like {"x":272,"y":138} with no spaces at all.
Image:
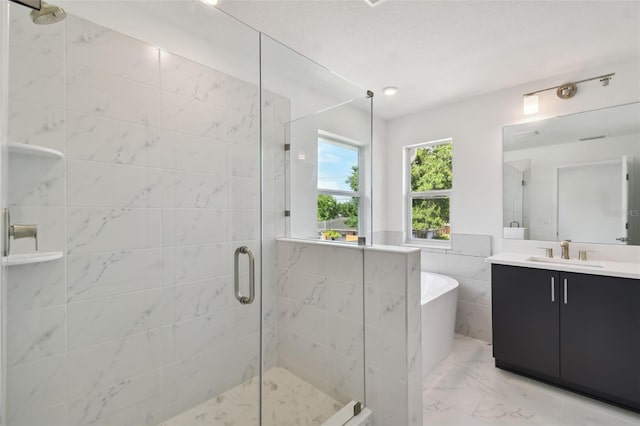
{"x":373,"y":3}
{"x":210,"y":2}
{"x":390,"y":90}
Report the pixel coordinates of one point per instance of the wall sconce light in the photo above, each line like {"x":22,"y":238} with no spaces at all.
{"x":563,"y":91}
{"x":530,"y":104}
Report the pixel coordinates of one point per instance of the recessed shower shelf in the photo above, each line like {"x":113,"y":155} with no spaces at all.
{"x":23,"y":148}
{"x":25,"y":259}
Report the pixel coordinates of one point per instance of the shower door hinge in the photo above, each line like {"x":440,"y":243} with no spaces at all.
{"x":357,"y":408}
{"x":287,"y":213}
{"x":287,"y":147}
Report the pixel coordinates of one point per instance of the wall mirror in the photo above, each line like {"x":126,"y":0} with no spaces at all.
{"x":574,"y":177}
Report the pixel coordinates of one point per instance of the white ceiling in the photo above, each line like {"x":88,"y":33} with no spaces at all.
{"x":440,"y":51}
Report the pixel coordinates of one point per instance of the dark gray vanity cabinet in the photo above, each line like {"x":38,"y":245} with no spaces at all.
{"x":525,"y":318}
{"x":600,"y":335}
{"x":579,"y":331}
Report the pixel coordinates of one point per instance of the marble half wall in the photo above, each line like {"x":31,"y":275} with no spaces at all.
{"x":464,"y":261}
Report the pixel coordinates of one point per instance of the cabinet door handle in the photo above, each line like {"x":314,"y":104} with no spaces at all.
{"x":553,"y":289}
{"x":566,"y":291}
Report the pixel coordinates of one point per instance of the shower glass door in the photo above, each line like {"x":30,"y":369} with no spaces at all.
{"x":319,"y":127}
{"x":134,"y":148}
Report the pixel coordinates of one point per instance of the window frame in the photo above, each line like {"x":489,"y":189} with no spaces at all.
{"x":424,"y":195}
{"x":342,"y":141}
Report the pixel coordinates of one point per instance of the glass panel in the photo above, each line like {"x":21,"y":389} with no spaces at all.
{"x":431,"y":168}
{"x":314,"y":346}
{"x":154,"y":114}
{"x":337,"y":165}
{"x":338,"y":218}
{"x":430,"y":218}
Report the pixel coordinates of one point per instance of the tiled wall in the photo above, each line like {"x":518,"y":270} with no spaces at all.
{"x":393,"y":335}
{"x":159,"y":184}
{"x":320,"y":325}
{"x":465,"y":262}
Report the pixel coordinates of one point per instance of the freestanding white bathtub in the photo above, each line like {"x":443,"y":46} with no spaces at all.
{"x":439,"y":303}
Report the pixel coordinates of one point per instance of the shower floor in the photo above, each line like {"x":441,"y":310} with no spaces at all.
{"x":287,"y":401}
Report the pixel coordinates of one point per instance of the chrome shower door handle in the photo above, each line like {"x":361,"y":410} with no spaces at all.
{"x":252,"y":276}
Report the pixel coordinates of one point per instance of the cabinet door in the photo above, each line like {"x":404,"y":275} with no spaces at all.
{"x":525,"y":311}
{"x":600,"y":335}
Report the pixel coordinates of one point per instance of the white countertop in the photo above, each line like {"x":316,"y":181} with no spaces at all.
{"x":609,"y":268}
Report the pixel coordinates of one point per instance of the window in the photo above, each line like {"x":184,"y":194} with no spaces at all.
{"x":429,"y":169}
{"x":338,"y":189}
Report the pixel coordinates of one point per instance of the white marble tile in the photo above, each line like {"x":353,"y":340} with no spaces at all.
{"x":470,"y":245}
{"x":468,"y":267}
{"x":96,"y":184}
{"x":100,"y":366}
{"x":304,"y":320}
{"x":243,"y":117}
{"x":35,"y":386}
{"x":111,"y":141}
{"x":38,"y":285}
{"x":346,"y":299}
{"x":94,"y":276}
{"x":181,"y":151}
{"x":474,"y":320}
{"x":51,"y":228}
{"x":42,"y":39}
{"x":386,"y":271}
{"x":97,"y":406}
{"x":467,"y":389}
{"x":104,"y":229}
{"x":185,"y":77}
{"x":36,"y":181}
{"x":35,"y":334}
{"x":193,"y":190}
{"x":393,"y":356}
{"x":35,"y":77}
{"x":95,"y":46}
{"x":193,"y":226}
{"x":308,"y":289}
{"x":194,"y":117}
{"x":196,"y":263}
{"x":346,"y":337}
{"x":216,"y":330}
{"x":101,"y":320}
{"x":393,"y":402}
{"x":433,"y":262}
{"x":35,"y":124}
{"x":244,"y":225}
{"x":244,"y":192}
{"x":52,"y":416}
{"x":345,"y":378}
{"x":304,"y":358}
{"x":203,"y":298}
{"x":95,"y":92}
{"x":343,"y":263}
{"x":244,"y":160}
{"x":475,"y":291}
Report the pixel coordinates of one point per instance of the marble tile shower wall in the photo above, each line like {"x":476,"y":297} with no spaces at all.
{"x":320,"y":308}
{"x":159,"y":184}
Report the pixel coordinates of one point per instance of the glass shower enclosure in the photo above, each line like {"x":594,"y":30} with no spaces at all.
{"x":145,"y":151}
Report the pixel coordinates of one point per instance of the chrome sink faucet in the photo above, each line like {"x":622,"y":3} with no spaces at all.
{"x":564,"y":246}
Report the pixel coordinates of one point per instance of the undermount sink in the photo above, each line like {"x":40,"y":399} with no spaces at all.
{"x":559,"y":261}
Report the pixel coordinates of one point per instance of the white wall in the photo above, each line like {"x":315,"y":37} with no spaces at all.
{"x":476,"y":125}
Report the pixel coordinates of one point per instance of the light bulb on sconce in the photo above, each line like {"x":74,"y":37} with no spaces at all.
{"x":530,"y":104}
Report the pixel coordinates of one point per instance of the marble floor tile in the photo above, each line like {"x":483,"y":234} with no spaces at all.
{"x":288,"y":401}
{"x":467,"y":390}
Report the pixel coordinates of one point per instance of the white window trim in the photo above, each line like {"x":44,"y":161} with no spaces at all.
{"x":410,"y":196}
{"x":339,"y":140}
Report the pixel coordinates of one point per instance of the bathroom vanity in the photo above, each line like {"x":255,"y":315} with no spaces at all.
{"x":574,"y":326}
